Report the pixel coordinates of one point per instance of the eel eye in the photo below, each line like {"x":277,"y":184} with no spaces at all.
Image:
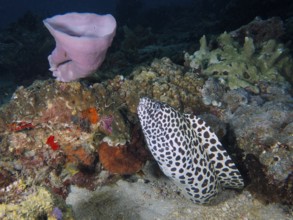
{"x":156,"y":107}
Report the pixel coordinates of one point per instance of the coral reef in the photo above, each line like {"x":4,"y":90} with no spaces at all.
{"x":241,"y":66}
{"x":51,"y":132}
{"x":247,"y":87}
{"x":50,"y":137}
{"x":58,"y":127}
{"x":80,"y":118}
{"x":40,"y":203}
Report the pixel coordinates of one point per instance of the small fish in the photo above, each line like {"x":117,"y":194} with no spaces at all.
{"x":187,"y":151}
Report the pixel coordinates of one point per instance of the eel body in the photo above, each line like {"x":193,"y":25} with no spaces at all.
{"x":187,"y":151}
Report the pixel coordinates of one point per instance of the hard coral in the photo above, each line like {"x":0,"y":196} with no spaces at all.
{"x":56,"y":111}
{"x":36,"y":205}
{"x":242,"y":66}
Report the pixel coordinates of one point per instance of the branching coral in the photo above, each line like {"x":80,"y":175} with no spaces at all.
{"x":241,"y":66}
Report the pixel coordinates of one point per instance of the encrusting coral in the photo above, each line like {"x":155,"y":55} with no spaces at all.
{"x":119,"y":159}
{"x":91,"y":114}
{"x":124,"y":159}
{"x":37,"y":204}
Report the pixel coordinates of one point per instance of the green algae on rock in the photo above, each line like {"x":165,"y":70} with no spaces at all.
{"x":242,"y":66}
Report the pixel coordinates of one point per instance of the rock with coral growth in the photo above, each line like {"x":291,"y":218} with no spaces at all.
{"x":35,"y":204}
{"x":91,"y":114}
{"x":119,"y":159}
{"x":260,"y":30}
{"x":265,"y":134}
{"x":80,"y":156}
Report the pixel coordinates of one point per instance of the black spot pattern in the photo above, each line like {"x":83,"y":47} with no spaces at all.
{"x":187,"y":151}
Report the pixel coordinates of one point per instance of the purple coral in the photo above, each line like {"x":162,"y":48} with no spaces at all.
{"x":106,"y":123}
{"x":57,"y":213}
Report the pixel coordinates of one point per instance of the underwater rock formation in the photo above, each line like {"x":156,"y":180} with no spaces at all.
{"x":260,"y":30}
{"x":55,"y":127}
{"x":247,"y":85}
{"x":58,"y":126}
{"x":265,"y":134}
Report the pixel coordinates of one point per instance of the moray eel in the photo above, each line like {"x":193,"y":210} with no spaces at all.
{"x":187,"y":151}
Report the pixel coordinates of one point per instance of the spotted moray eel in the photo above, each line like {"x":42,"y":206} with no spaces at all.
{"x":187,"y":151}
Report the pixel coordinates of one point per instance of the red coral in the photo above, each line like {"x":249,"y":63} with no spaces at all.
{"x":19,"y":126}
{"x":51,"y":142}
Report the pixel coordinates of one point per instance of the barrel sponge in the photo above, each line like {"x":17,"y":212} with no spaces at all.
{"x":82,"y":40}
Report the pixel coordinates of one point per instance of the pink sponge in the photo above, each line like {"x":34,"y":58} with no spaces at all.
{"x":82,"y":40}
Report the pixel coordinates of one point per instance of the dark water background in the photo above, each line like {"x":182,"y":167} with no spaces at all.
{"x":23,"y":52}
{"x":11,"y":10}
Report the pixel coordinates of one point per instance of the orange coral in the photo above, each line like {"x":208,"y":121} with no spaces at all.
{"x":79,"y":155}
{"x":119,"y":160}
{"x":91,"y":114}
